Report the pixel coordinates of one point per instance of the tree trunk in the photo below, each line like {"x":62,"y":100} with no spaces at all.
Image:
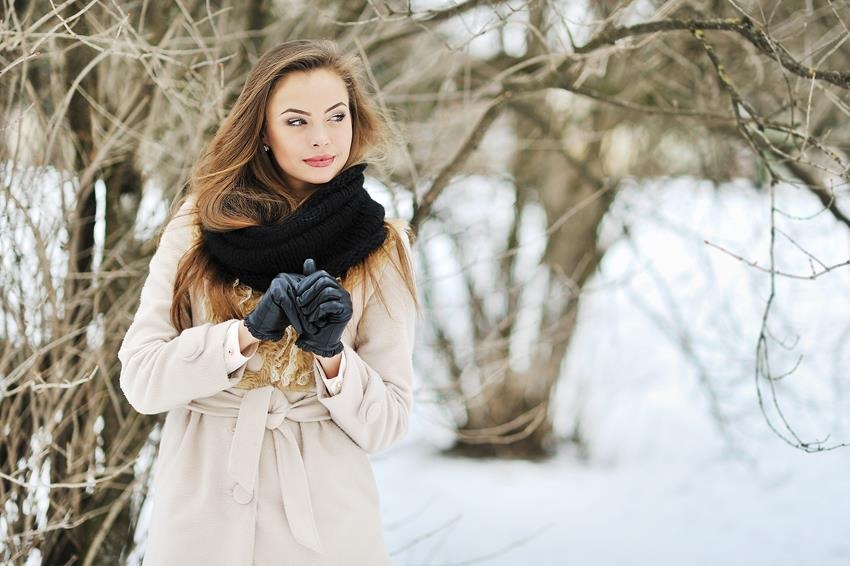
{"x":513,"y":421}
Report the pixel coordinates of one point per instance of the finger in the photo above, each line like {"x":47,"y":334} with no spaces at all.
{"x":323,"y":311}
{"x":336,"y":318}
{"x":330,"y":308}
{"x":308,"y":280}
{"x":298,"y":321}
{"x":284,"y":282}
{"x":309,"y":296}
{"x":326,"y":294}
{"x":309,"y":266}
{"x":307,"y":293}
{"x":327,"y":313}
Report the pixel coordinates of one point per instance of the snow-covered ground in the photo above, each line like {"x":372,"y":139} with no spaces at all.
{"x":662,"y":484}
{"x":706,"y":510}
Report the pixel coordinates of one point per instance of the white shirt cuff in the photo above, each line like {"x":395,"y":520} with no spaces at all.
{"x":334,"y":384}
{"x":233,"y":358}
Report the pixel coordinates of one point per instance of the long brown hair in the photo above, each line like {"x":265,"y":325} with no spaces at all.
{"x":235,"y":184}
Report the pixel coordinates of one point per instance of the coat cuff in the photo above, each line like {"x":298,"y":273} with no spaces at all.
{"x":351,"y":397}
{"x":333,"y":385}
{"x":233,"y":357}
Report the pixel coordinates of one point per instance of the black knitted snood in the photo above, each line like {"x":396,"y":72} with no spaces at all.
{"x":338,"y":225}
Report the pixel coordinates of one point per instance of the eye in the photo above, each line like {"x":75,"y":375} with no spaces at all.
{"x":339,"y":118}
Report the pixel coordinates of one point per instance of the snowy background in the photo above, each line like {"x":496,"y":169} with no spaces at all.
{"x":662,"y":483}
{"x":680,"y":465}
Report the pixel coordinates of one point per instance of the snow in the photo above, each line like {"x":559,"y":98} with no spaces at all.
{"x":708,"y":510}
{"x":663,"y":483}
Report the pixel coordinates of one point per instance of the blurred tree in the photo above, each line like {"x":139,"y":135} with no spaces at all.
{"x":108,"y":102}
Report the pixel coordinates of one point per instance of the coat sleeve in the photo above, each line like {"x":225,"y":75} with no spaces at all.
{"x":161,"y":369}
{"x":373,"y":406}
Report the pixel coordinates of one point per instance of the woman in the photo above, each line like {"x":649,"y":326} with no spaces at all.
{"x":276,"y":328}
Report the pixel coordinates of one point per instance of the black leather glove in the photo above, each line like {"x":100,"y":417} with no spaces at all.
{"x":276,"y":310}
{"x":326,"y":305}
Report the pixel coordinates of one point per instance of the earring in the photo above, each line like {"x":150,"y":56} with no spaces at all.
{"x":265,"y":147}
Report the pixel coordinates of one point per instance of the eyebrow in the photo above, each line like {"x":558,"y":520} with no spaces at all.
{"x":308,"y":114}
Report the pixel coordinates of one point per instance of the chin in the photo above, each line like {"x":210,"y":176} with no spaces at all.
{"x":323,"y":174}
{"x":320,"y":177}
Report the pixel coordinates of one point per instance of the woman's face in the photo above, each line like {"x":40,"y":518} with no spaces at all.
{"x":307,"y":117}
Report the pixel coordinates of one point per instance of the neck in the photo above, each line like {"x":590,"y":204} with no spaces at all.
{"x":300,"y":190}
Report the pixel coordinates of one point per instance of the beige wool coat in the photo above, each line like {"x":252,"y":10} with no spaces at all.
{"x":264,"y":476}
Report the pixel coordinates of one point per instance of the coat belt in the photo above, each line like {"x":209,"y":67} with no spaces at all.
{"x":255,"y":412}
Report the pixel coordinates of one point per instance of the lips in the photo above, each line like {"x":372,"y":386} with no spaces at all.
{"x":320,"y":160}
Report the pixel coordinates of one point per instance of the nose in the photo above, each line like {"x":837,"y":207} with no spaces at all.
{"x":320,"y":136}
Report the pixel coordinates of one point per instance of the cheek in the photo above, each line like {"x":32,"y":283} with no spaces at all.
{"x":274,"y":134}
{"x":280,"y":139}
{"x":343,"y":134}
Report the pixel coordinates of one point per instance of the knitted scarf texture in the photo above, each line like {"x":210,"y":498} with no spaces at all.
{"x":338,"y":225}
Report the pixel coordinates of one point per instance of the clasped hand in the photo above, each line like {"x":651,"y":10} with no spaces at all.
{"x":314,"y":303}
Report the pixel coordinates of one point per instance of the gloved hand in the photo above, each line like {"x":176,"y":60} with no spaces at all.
{"x":276,"y":310}
{"x":326,"y":305}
